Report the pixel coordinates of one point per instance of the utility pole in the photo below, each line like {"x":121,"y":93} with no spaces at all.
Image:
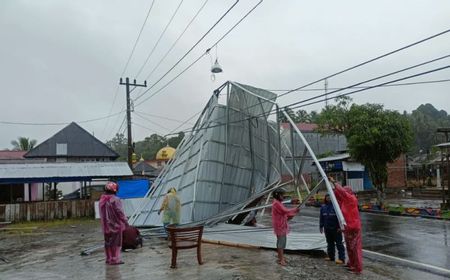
{"x":127,"y":87}
{"x":326,"y":92}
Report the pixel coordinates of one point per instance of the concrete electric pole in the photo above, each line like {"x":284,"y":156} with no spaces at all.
{"x":130,"y":142}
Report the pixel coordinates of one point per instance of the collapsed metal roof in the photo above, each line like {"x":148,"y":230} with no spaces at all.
{"x":231,"y":153}
{"x":232,"y":158}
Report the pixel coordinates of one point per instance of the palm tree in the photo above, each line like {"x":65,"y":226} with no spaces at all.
{"x":23,"y":144}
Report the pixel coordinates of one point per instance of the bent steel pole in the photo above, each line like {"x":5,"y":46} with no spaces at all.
{"x":322,"y":173}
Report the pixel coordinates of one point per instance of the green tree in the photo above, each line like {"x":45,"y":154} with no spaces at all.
{"x":334,"y":118}
{"x":375,"y":137}
{"x":425,"y":121}
{"x":150,"y":146}
{"x":23,"y":144}
{"x":291,"y":114}
{"x":119,"y":145}
{"x":302,"y":116}
{"x":314,"y":116}
{"x":174,"y":141}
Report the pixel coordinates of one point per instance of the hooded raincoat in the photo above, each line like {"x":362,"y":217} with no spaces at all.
{"x":113,"y":221}
{"x":171,"y":208}
{"x":353,"y":238}
{"x":280,"y":215}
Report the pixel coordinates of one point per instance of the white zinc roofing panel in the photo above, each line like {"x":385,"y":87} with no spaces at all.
{"x":64,"y":169}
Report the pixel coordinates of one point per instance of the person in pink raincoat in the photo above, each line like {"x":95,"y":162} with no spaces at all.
{"x":353,"y":239}
{"x":113,"y":222}
{"x":280,"y":217}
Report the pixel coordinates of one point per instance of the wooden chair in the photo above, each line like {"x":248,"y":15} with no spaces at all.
{"x":185,"y":238}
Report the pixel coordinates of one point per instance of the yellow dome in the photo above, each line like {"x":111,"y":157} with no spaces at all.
{"x":165,"y":153}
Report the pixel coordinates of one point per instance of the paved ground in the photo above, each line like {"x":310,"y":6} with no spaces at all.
{"x":53,"y":252}
{"x":412,"y":238}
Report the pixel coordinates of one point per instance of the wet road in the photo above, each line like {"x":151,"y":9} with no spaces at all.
{"x":417,"y":239}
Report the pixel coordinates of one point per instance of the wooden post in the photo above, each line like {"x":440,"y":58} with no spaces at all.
{"x":11,"y":193}
{"x":29,"y":192}
{"x":54,"y":191}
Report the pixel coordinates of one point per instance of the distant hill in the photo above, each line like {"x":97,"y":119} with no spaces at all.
{"x":425,"y":120}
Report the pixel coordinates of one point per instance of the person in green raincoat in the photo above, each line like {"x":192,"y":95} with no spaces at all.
{"x":171,"y":208}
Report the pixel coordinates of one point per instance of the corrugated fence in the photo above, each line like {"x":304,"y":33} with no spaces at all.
{"x":48,"y":210}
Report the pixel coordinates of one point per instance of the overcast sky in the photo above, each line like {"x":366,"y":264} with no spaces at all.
{"x":60,"y":61}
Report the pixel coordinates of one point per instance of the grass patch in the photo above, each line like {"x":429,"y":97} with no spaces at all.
{"x":52,"y":223}
{"x":395,"y":210}
{"x":445,"y":214}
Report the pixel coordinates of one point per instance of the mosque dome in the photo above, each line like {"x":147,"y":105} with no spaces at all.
{"x":165,"y":153}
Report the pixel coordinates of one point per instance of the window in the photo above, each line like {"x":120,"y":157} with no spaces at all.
{"x":61,"y":149}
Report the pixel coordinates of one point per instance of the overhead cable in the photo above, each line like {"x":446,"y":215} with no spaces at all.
{"x":370,"y":87}
{"x":149,"y":120}
{"x":376,"y":78}
{"x":176,"y":41}
{"x":392,"y":85}
{"x":128,"y":61}
{"x":159,"y":117}
{"x":143,"y":126}
{"x":138,"y":37}
{"x":364,"y":82}
{"x":189,"y":51}
{"x":58,"y":123}
{"x":289,"y":106}
{"x":159,"y":39}
{"x":181,"y":125}
{"x":369,"y":61}
{"x":195,"y":61}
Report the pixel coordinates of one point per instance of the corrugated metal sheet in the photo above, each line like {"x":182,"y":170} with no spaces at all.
{"x":336,"y":157}
{"x":62,"y":170}
{"x":319,"y":143}
{"x":262,"y":237}
{"x":232,"y":153}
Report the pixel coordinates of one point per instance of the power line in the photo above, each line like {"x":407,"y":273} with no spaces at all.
{"x":159,"y":39}
{"x":378,"y":77}
{"x":120,"y":127}
{"x":363,"y":82}
{"x":159,"y":117}
{"x":110,"y":109}
{"x":189,"y":51}
{"x":128,"y":61}
{"x":138,"y":37}
{"x":190,"y":118}
{"x":373,"y":79}
{"x":116,"y":122}
{"x":176,"y":41}
{"x":58,"y":123}
{"x":393,"y":85}
{"x":371,"y":60}
{"x":142,"y":126}
{"x":150,"y":121}
{"x":370,"y":80}
{"x":195,"y":61}
{"x":370,"y":87}
{"x":274,"y":111}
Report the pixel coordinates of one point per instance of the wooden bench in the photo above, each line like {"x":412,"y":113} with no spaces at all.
{"x":185,"y":238}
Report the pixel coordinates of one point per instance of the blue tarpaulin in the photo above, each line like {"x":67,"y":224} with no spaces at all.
{"x":133,"y":188}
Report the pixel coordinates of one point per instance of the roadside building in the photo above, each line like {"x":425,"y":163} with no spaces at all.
{"x":60,"y":163}
{"x":331,"y":149}
{"x":162,"y":157}
{"x":352,"y":173}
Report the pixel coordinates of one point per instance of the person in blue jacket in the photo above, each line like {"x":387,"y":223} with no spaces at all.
{"x":330,"y":225}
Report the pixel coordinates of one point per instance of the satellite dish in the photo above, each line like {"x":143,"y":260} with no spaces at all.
{"x":216,"y":68}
